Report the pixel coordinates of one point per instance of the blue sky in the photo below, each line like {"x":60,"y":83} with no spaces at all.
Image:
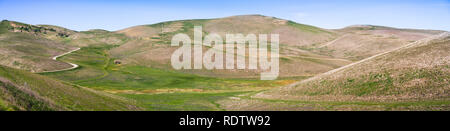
{"x":113,"y":15}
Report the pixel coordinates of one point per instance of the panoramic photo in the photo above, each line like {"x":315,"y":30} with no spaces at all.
{"x":227,"y":55}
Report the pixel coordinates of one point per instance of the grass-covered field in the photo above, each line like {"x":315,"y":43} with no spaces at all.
{"x":154,"y":89}
{"x":21,"y":90}
{"x":246,"y":102}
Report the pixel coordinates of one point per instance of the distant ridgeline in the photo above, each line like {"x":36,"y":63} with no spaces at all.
{"x":13,"y":26}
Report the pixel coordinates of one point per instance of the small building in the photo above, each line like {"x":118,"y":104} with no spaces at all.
{"x":117,"y":62}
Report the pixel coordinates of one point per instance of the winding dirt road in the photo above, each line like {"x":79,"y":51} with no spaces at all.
{"x":72,"y":64}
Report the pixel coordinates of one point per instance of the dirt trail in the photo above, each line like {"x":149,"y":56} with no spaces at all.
{"x":367,"y":59}
{"x":320,"y":58}
{"x":330,"y":59}
{"x":332,"y":42}
{"x":72,"y":64}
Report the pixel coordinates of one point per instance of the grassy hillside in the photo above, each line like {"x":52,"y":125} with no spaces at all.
{"x":150,"y":45}
{"x":291,"y":33}
{"x":97,"y":37}
{"x":25,"y":47}
{"x":31,"y":47}
{"x":415,"y":78}
{"x":359,"y":42}
{"x":20,"y":90}
{"x":304,"y":50}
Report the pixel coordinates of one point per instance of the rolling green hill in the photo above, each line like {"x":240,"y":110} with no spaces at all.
{"x":21,"y":90}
